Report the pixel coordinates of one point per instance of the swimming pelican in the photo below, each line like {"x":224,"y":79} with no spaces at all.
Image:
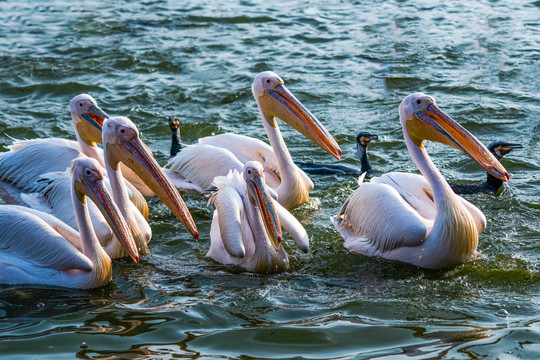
{"x":121,"y":143}
{"x":246,"y":227}
{"x":492,"y":185}
{"x":28,"y":160}
{"x":37,"y":248}
{"x":413,"y":218}
{"x":196,"y":166}
{"x":362,"y":141}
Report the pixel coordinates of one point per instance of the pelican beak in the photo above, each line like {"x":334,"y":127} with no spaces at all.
{"x":449,"y":132}
{"x":91,"y":126}
{"x":280,"y":102}
{"x":136,"y":155}
{"x":97,"y":192}
{"x":260,"y":197}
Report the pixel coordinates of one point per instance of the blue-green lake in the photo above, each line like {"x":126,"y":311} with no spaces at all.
{"x":349,"y":62}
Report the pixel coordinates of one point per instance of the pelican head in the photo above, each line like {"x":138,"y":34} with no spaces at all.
{"x":259,"y":196}
{"x":502,"y":148}
{"x":422,"y":119}
{"x":88,"y":181}
{"x":275,"y":100}
{"x":121,"y":143}
{"x":87,"y":118}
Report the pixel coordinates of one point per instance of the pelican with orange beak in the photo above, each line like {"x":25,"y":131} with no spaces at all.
{"x":246,"y":228}
{"x":22,"y":168}
{"x":121,"y":143}
{"x":196,"y":166}
{"x":413,"y":218}
{"x":37,"y":248}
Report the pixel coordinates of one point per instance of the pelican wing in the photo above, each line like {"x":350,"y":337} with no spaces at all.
{"x":67,"y":232}
{"x":413,"y":188}
{"x":229,"y":208}
{"x":376,"y":219}
{"x":198,"y":165}
{"x":28,"y":237}
{"x":293,"y":227}
{"x":28,"y":159}
{"x":418,"y":193}
{"x":246,"y":149}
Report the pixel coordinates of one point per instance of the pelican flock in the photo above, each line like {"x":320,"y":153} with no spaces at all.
{"x":37,"y":248}
{"x":196,"y":166}
{"x":56,"y":237}
{"x":413,"y":218}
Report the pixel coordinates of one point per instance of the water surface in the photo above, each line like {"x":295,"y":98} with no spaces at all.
{"x":350,"y":63}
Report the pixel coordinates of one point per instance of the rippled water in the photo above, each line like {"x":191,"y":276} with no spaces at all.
{"x":350,"y":63}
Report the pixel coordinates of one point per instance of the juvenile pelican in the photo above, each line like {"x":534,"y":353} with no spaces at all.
{"x":418,"y":218}
{"x":197,"y":165}
{"x":492,"y":185}
{"x":246,"y":228}
{"x":37,"y":248}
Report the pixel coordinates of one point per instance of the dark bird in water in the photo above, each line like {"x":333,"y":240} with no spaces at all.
{"x":362,"y":141}
{"x":492,"y":185}
{"x":176,"y":143}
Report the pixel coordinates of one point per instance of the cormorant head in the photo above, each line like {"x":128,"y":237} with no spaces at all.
{"x":501,"y":148}
{"x":364,"y":138}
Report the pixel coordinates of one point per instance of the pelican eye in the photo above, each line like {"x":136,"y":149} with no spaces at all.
{"x":268,"y":81}
{"x":249,"y":172}
{"x":122,"y":130}
{"x":418,"y":101}
{"x":81,"y":104}
{"x":88,"y":172}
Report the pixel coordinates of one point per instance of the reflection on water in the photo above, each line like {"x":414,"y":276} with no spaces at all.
{"x":350,"y":63}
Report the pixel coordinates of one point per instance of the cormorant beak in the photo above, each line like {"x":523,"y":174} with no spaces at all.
{"x":506,"y":148}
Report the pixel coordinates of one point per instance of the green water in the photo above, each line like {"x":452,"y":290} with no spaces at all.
{"x":350,"y":63}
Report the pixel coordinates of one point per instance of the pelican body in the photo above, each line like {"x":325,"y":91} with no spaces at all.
{"x":413,"y":218}
{"x":37,"y":248}
{"x":196,"y":166}
{"x":246,"y":227}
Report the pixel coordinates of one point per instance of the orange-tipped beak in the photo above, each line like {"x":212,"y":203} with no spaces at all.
{"x":281,"y":103}
{"x":448,"y":131}
{"x":136,"y":155}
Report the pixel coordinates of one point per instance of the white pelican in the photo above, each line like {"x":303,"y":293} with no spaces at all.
{"x":246,"y":227}
{"x":121,"y":143}
{"x":196,"y":166}
{"x":412,"y":218}
{"x":36,"y":248}
{"x":28,"y":160}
